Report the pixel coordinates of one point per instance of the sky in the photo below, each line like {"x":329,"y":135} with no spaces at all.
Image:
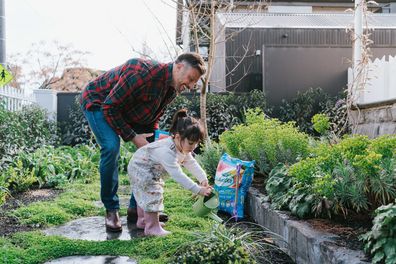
{"x":109,"y":30}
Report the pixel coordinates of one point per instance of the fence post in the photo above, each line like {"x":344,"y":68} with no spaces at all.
{"x":47,"y":99}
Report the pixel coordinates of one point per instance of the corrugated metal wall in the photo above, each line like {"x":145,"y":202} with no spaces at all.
{"x":250,"y":44}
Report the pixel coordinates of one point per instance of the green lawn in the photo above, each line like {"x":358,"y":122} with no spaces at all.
{"x":76,"y":202}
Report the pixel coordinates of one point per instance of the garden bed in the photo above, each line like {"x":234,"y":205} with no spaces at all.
{"x":347,"y":230}
{"x":9,"y":224}
{"x":313,"y":240}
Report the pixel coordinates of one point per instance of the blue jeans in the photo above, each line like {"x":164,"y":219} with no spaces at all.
{"x":109,"y":143}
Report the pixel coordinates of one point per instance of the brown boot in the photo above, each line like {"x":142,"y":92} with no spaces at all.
{"x":112,"y":221}
{"x":132,"y":216}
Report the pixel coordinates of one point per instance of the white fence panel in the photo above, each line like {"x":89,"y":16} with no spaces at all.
{"x":381,"y":82}
{"x":15,"y":99}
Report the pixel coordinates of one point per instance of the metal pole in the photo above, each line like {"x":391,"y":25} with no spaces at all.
{"x":2,"y":34}
{"x":357,"y":44}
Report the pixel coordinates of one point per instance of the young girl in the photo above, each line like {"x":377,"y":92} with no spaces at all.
{"x":150,"y":162}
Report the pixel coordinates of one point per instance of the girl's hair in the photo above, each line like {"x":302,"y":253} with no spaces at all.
{"x":187,"y":126}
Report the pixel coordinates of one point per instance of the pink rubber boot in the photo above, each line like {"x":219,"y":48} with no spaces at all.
{"x":140,"y":220}
{"x":153,"y":226}
{"x":140,"y":223}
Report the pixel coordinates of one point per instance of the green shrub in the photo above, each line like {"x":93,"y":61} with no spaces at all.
{"x":223,"y":110}
{"x":76,"y":130}
{"x":209,"y":158}
{"x":267,"y":141}
{"x":303,"y":107}
{"x":278,"y":186}
{"x":49,"y":167}
{"x":126,"y":152}
{"x":380,"y":242}
{"x":356,"y":174}
{"x":384,"y":145}
{"x":235,"y":244}
{"x":24,"y":131}
{"x":321,"y":123}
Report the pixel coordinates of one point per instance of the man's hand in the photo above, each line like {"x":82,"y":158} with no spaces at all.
{"x":140,"y":139}
{"x":205,"y":191}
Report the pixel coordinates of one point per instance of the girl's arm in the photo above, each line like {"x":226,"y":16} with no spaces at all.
{"x":168,"y":160}
{"x":193,"y":166}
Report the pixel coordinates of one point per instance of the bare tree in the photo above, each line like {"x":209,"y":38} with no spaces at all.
{"x":42,"y":65}
{"x":206,"y":32}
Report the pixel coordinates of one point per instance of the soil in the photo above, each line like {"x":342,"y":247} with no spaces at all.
{"x":348,"y":230}
{"x":10,"y":225}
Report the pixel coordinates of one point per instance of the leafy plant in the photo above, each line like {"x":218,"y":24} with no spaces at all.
{"x":223,"y":110}
{"x":380,"y":242}
{"x":49,"y":167}
{"x":278,"y":186}
{"x":267,"y":141}
{"x":321,"y":123}
{"x":303,"y":107}
{"x":24,"y":131}
{"x":76,"y":130}
{"x":223,"y":244}
{"x":356,"y":174}
{"x":209,"y":158}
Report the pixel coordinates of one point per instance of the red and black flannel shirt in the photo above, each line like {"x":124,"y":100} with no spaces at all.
{"x":133,"y":94}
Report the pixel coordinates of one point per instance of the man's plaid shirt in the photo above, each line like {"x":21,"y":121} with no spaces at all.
{"x":133,"y":94}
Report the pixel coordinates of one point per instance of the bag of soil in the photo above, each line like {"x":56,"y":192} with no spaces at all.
{"x":232,"y":181}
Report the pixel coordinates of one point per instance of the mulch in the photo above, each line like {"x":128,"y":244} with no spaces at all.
{"x":10,"y":225}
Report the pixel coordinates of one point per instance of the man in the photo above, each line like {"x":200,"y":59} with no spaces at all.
{"x":128,"y":102}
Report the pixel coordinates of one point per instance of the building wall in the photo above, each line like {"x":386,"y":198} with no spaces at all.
{"x":374,"y":120}
{"x":289,"y":57}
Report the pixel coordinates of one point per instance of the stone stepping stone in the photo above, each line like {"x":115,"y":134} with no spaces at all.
{"x":124,"y":202}
{"x":93,"y":229}
{"x":92,"y":260}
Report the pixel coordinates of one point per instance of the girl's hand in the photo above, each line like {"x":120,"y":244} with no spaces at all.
{"x":204,"y":183}
{"x":205,"y":191}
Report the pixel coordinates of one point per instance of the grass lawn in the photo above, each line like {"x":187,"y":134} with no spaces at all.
{"x":77,"y":201}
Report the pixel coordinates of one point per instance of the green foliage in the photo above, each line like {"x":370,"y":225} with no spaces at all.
{"x":278,"y":186}
{"x":232,"y":244}
{"x":23,"y":132}
{"x":42,"y":214}
{"x":223,"y":110}
{"x":126,"y":152}
{"x":267,"y":141}
{"x":49,"y":167}
{"x":303,"y":107}
{"x":380,"y":242}
{"x":209,"y":158}
{"x":384,"y":145}
{"x":76,"y":130}
{"x":356,"y":174}
{"x":321,"y":123}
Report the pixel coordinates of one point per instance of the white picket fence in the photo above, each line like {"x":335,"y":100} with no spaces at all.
{"x":381,"y":82}
{"x":15,"y":99}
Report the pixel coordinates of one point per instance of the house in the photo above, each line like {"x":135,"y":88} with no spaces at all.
{"x":285,"y":53}
{"x":284,"y":47}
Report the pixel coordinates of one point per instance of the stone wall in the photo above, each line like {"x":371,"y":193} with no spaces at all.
{"x":374,"y":120}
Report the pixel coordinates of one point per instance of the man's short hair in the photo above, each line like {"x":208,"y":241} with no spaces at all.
{"x":194,"y":60}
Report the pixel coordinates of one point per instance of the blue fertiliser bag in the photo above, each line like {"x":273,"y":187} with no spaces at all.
{"x":160,"y":134}
{"x":232,"y":181}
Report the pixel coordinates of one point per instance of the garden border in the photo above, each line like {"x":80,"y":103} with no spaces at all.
{"x":304,"y":244}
